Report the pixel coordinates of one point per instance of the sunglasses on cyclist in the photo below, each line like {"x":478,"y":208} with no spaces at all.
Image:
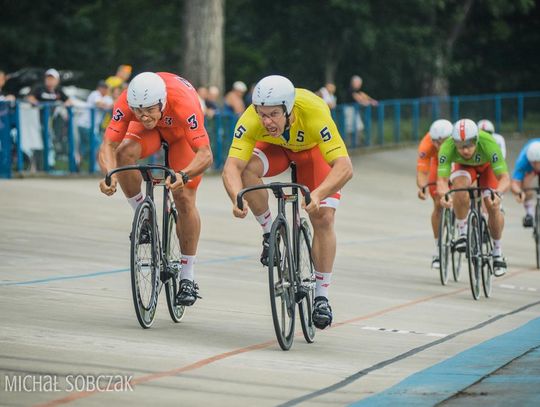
{"x":466,"y":143}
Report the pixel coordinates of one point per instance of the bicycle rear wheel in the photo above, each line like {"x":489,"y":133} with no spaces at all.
{"x":306,"y":282}
{"x":474,"y":253}
{"x":457,"y":257}
{"x":281,"y":284}
{"x":487,"y":259}
{"x":144,"y":265}
{"x":537,"y":234}
{"x":445,"y":241}
{"x":174,"y":256}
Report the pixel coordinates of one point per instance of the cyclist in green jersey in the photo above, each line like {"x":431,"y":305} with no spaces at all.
{"x":474,"y":153}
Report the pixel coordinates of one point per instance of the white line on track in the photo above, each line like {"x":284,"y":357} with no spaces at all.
{"x":402,"y":331}
{"x":515,"y":287}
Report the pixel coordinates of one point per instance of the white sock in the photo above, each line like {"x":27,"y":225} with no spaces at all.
{"x":134,"y":201}
{"x":265,"y":220}
{"x":497,"y":248}
{"x":529,"y":206}
{"x":436,"y":253}
{"x":462,"y":226}
{"x":187,"y":267}
{"x":322,"y":282}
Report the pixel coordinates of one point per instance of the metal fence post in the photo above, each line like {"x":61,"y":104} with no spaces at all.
{"x":416,"y":118}
{"x":520,"y":112}
{"x":92,"y":148}
{"x":397,"y":121}
{"x":71,"y":142}
{"x":46,"y":114}
{"x":380,"y":122}
{"x":5,"y":141}
{"x":18,"y":126}
{"x":498,"y":113}
{"x":455,"y":109}
{"x":367,"y":120}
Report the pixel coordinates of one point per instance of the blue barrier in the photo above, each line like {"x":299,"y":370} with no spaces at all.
{"x":62,"y":147}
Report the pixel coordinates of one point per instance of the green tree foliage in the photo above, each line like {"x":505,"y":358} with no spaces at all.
{"x":394,"y":45}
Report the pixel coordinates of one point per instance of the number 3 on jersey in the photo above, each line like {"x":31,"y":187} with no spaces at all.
{"x":192,"y":120}
{"x":325,"y":134}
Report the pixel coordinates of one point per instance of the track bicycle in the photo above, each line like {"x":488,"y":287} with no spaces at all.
{"x":448,"y":235}
{"x":479,"y":242}
{"x":536,"y":224}
{"x":155,"y":259}
{"x":291,"y":275}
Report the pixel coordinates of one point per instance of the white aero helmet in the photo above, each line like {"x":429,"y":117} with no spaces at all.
{"x":486,"y":125}
{"x":274,"y":90}
{"x":440,"y":129}
{"x":465,"y":130}
{"x":147,"y":89}
{"x":533,"y":152}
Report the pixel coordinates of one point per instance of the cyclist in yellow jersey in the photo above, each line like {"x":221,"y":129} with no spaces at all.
{"x":285,"y":124}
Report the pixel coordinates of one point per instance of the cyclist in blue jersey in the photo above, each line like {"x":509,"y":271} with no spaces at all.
{"x":527,"y":167}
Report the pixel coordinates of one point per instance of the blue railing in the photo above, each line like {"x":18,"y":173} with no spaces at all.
{"x":51,"y":139}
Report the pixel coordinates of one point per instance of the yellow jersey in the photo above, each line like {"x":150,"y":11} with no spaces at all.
{"x":313,"y":126}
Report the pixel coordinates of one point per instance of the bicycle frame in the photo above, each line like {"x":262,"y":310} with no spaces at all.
{"x":536,"y":224}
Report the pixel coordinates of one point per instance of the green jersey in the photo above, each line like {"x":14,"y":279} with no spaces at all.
{"x":487,"y":151}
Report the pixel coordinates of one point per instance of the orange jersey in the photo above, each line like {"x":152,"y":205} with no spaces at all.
{"x":426,"y":151}
{"x":182,"y":117}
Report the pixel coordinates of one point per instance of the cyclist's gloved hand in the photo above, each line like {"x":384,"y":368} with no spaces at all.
{"x":520,"y":197}
{"x":106,"y":189}
{"x":446,"y":201}
{"x":422,"y":194}
{"x":495,"y":199}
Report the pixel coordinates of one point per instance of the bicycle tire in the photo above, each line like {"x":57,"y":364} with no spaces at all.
{"x":445,"y":240}
{"x":487,"y":259}
{"x":474,"y":254}
{"x":306,"y":281}
{"x":281,"y":283}
{"x":537,"y":234}
{"x":457,"y":257}
{"x":173,"y":256}
{"x":144,"y":266}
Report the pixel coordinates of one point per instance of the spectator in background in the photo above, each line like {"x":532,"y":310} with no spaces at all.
{"x":249,"y":95}
{"x":4,"y":97}
{"x":355,"y":97}
{"x":202,"y":92}
{"x":49,"y":91}
{"x":102,"y":102}
{"x":234,"y":99}
{"x":328,"y":94}
{"x":212,"y":101}
{"x":120,"y":80}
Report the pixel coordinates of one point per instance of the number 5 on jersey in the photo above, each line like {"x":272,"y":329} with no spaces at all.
{"x":325,"y":134}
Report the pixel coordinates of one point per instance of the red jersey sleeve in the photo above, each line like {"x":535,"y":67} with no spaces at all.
{"x":121,"y":116}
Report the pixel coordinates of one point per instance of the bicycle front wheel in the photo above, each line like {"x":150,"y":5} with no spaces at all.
{"x":445,"y":241}
{"x":305,"y":282}
{"x":144,"y":265}
{"x":487,"y":259}
{"x":173,"y":256}
{"x":474,"y":253}
{"x":281,"y":284}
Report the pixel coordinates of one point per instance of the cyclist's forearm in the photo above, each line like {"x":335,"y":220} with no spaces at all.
{"x":338,"y":176}
{"x":232,"y":180}
{"x":504,"y":183}
{"x":107,"y":156}
{"x":516,"y":186}
{"x":442,"y":186}
{"x":202,"y":160}
{"x":421,"y":179}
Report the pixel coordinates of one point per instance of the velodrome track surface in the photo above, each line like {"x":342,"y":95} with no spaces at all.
{"x":66,"y":306}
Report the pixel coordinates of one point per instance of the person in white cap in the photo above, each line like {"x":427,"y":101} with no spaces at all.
{"x":49,"y":91}
{"x":234,"y":99}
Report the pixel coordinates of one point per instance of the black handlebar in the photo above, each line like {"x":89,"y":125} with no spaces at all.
{"x":277,"y":188}
{"x":145,"y":171}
